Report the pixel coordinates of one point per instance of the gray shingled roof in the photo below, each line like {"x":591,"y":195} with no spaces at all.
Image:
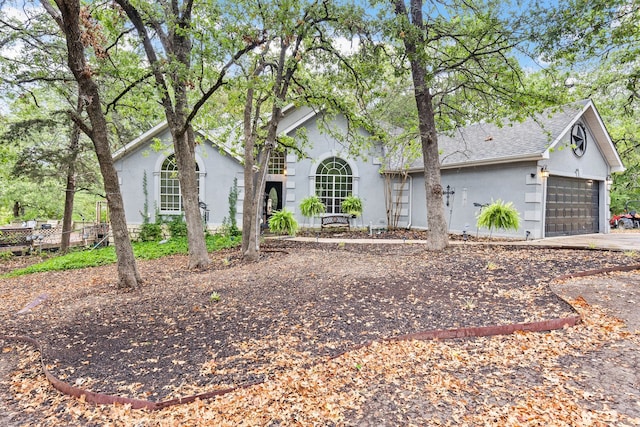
{"x":489,"y":143}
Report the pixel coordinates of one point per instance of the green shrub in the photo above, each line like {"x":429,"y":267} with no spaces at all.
{"x":177,"y":227}
{"x":229,"y":224}
{"x":499,"y":215}
{"x":283,"y":222}
{"x":311,"y":206}
{"x":352,"y":205}
{"x":150,"y":232}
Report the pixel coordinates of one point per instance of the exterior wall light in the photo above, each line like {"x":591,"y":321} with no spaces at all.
{"x":609,"y":180}
{"x":544,"y":172}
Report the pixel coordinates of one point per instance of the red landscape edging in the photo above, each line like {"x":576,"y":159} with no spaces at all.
{"x":469,"y":332}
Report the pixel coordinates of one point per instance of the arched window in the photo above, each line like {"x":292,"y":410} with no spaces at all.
{"x":170,"y":194}
{"x":334,"y":182}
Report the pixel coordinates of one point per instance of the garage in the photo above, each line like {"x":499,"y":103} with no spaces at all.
{"x":572,"y":206}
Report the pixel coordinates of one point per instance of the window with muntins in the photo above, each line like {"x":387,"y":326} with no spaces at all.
{"x":170,"y":194}
{"x":334,"y":182}
{"x":277,"y":161}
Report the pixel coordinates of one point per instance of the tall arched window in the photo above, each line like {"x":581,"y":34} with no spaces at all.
{"x":170,"y":194}
{"x":334,"y":182}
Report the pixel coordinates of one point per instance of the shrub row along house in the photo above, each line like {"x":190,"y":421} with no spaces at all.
{"x":555,"y":168}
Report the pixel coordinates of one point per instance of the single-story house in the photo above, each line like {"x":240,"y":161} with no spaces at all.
{"x":554,"y":168}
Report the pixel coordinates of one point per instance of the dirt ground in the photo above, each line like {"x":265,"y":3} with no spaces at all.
{"x":303,"y":306}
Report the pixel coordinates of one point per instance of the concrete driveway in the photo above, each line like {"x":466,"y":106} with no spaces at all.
{"x":621,"y":241}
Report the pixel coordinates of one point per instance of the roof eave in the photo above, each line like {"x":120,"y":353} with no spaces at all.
{"x":484,"y":162}
{"x":154,"y":131}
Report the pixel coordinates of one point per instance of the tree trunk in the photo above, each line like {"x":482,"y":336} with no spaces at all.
{"x":186,"y":160}
{"x":128,"y":275}
{"x":250,"y":221}
{"x":438,"y":238}
{"x":258,"y":182}
{"x":67,"y":216}
{"x":70,"y":188}
{"x":16,"y":209}
{"x":255,"y":179}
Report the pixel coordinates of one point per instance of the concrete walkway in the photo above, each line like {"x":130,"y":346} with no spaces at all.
{"x":628,"y":241}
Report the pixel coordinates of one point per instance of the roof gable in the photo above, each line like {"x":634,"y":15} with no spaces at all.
{"x":225,"y":139}
{"x":530,"y":140}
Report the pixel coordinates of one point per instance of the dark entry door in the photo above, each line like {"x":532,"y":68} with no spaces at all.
{"x":573,"y":206}
{"x":272,"y":198}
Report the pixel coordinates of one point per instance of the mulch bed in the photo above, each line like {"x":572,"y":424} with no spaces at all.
{"x":299,"y":305}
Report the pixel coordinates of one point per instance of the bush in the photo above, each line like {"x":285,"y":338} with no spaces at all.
{"x":229,"y":224}
{"x":283,"y":222}
{"x":499,"y":215}
{"x":150,"y":232}
{"x":177,"y":227}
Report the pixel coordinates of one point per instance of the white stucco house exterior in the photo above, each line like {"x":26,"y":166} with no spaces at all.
{"x":554,"y":168}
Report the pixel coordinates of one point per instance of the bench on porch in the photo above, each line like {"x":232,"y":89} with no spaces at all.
{"x":335,"y":220}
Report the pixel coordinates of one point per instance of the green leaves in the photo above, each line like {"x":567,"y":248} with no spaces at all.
{"x":283,"y":222}
{"x":499,"y":215}
{"x":312,"y":206}
{"x":352,"y":205}
{"x":105,"y":256}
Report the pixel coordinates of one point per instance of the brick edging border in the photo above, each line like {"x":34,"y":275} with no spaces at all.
{"x":469,"y":332}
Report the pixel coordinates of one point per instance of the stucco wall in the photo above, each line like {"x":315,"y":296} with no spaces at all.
{"x":217,"y":173}
{"x":367,"y":183}
{"x":485,"y":184}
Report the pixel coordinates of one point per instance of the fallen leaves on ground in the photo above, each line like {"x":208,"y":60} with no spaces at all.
{"x":280,"y":319}
{"x":515,"y":380}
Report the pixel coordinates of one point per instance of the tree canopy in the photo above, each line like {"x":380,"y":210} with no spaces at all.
{"x":594,"y":46}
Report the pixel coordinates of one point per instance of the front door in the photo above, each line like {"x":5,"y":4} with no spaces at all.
{"x":272,"y":200}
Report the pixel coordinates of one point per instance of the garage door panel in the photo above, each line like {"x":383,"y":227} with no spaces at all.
{"x":572,"y":206}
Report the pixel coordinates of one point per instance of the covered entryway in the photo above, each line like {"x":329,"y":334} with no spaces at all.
{"x":572,"y":206}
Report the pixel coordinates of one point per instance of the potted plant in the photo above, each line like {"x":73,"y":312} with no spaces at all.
{"x":283,"y":222}
{"x":311,"y":207}
{"x":499,"y":215}
{"x":352,"y":205}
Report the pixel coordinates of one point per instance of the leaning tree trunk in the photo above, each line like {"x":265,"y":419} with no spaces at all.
{"x":128,"y":275}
